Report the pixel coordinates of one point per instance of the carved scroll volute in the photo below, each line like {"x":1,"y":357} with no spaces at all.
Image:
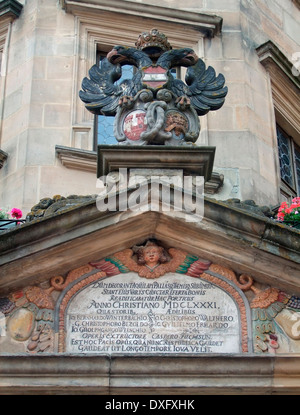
{"x":59,"y":283}
{"x":244,"y":282}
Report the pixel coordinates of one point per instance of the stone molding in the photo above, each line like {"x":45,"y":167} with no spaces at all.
{"x":74,"y":158}
{"x":10,"y":8}
{"x":215,"y":374}
{"x":195,"y":160}
{"x":70,"y":239}
{"x":3,"y":157}
{"x":209,"y":25}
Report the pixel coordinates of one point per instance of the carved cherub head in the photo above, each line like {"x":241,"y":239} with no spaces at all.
{"x":151,"y":254}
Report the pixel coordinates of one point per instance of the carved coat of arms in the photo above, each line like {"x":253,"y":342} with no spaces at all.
{"x":153,"y":107}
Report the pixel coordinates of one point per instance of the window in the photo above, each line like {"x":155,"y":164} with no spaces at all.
{"x":289,"y":159}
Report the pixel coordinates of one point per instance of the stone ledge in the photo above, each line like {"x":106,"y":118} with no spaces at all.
{"x":270,"y":56}
{"x":65,"y":374}
{"x":10,"y":8}
{"x":193,"y":160}
{"x":74,"y":158}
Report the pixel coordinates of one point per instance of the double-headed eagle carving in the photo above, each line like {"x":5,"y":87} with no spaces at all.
{"x":149,"y":104}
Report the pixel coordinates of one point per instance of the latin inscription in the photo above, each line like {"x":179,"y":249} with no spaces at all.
{"x":174,"y":314}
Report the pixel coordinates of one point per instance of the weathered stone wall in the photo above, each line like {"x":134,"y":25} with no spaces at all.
{"x":37,"y":107}
{"x":40,"y":88}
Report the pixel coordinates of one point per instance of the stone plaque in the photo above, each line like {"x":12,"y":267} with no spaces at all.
{"x":173,"y":314}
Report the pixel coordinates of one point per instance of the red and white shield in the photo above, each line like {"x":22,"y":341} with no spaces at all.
{"x":154,"y":77}
{"x":134,"y":124}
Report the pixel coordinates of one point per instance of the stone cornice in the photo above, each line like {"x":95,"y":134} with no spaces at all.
{"x":209,"y":25}
{"x":269,"y":55}
{"x":215,"y":374}
{"x":10,"y":8}
{"x":285,"y":85}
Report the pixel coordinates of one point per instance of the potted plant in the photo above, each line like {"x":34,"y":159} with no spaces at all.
{"x":9,"y":219}
{"x":290,"y":215}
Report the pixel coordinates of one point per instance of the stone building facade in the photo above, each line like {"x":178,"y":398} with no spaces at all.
{"x":47,"y":136}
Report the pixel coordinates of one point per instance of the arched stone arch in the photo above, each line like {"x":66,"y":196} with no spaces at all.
{"x":86,"y":279}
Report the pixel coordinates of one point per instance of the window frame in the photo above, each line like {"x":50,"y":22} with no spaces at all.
{"x":287,"y":190}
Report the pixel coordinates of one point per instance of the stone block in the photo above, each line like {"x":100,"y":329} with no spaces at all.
{"x":257,"y":80}
{"x":60,"y":67}
{"x":231,"y":185}
{"x":18,"y":77}
{"x":11,"y":189}
{"x":231,"y":21}
{"x":39,"y":68}
{"x":82,"y":138}
{"x":242,"y":118}
{"x":47,"y":14}
{"x":31,"y":184}
{"x":233,"y":70}
{"x":45,"y":44}
{"x":267,"y":162}
{"x":291,"y":27}
{"x":213,"y":48}
{"x":235,"y":149}
{"x":36,"y":116}
{"x":41,"y":145}
{"x":15,"y":124}
{"x":257,"y":188}
{"x":223,"y":119}
{"x":13,"y":103}
{"x":232,"y":45}
{"x":228,"y":5}
{"x":236,"y":94}
{"x":60,"y":180}
{"x":273,"y":10}
{"x":9,"y":147}
{"x":55,"y":91}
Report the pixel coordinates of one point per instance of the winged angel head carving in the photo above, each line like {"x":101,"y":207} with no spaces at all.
{"x":154,"y":106}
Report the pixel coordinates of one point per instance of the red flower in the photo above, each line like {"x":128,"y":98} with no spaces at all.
{"x":16,"y":213}
{"x":295,"y":202}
